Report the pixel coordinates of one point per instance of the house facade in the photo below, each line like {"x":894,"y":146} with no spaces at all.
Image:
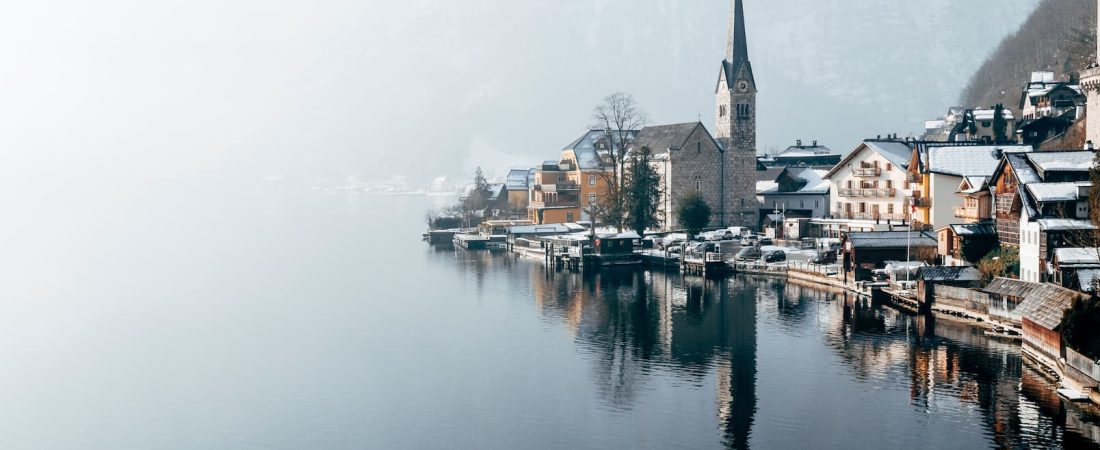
{"x":871,"y":184}
{"x":1043,"y":96}
{"x":795,"y":193}
{"x":563,"y":191}
{"x":1041,"y":204}
{"x":938,"y":171}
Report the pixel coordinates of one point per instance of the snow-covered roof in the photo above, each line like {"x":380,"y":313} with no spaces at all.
{"x":973,"y":185}
{"x":517,"y":179}
{"x":987,"y":114}
{"x":1077,"y":255}
{"x":1022,"y":168}
{"x":898,"y":153}
{"x":1056,"y":192}
{"x":1087,"y":279}
{"x":981,"y":160}
{"x":1065,"y":224}
{"x":950,"y":273}
{"x":973,"y":229}
{"x":591,"y":145}
{"x":1069,"y":161}
{"x":763,"y":187}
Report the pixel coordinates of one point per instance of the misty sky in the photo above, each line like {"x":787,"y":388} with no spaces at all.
{"x":319,"y":91}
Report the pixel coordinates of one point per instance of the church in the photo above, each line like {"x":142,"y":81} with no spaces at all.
{"x":722,"y":166}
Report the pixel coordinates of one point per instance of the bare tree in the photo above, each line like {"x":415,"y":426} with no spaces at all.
{"x":619,"y":117}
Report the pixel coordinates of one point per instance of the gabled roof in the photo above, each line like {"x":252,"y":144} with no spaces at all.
{"x":812,"y":182}
{"x":949,"y":273}
{"x":892,"y":239}
{"x":1056,"y":192}
{"x":1077,"y":256}
{"x":591,"y":145}
{"x":1046,"y":304}
{"x":973,"y":229}
{"x":1055,"y":224}
{"x":897,"y":152}
{"x":973,"y":185}
{"x":1063,"y":161}
{"x":1042,"y":303}
{"x":518,"y":179}
{"x":969,"y":160}
{"x":662,"y":138}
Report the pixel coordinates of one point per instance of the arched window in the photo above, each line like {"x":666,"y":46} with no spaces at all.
{"x":698,"y":184}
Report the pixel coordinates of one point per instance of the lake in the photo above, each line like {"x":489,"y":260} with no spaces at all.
{"x":280,"y":319}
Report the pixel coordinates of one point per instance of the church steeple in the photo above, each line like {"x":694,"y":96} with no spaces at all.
{"x":737,"y":46}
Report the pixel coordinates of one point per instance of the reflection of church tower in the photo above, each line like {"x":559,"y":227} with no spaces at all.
{"x":737,"y":375}
{"x":735,"y":126}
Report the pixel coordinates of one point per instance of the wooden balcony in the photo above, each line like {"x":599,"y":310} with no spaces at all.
{"x":867,"y":171}
{"x":868,"y":193}
{"x":558,"y":203}
{"x":921,"y":202}
{"x":914,"y":177}
{"x":869,"y":216}
{"x":969,"y":213}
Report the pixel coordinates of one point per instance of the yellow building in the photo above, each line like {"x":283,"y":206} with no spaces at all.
{"x":563,"y":190}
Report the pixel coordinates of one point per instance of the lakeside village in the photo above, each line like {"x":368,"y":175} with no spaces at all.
{"x":987,"y":218}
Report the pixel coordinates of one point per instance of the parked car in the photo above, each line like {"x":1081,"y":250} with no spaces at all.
{"x":824,"y":257}
{"x":751,"y":239}
{"x":765,"y":241}
{"x":705,"y":247}
{"x":748,"y":254}
{"x":775,"y":256}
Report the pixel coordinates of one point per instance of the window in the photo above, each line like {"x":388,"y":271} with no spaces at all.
{"x":699,"y":184}
{"x":986,"y":124}
{"x":889,"y":167}
{"x":743,"y":112}
{"x":699,"y":147}
{"x":561,"y":178}
{"x":569,"y":217}
{"x":591,"y":199}
{"x":591,"y":180}
{"x":721,"y":110}
{"x":889,"y":183}
{"x":889,"y":208}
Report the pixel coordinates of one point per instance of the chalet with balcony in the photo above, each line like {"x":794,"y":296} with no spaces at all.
{"x":1045,"y":97}
{"x":868,"y":189}
{"x":936,"y":172}
{"x":1041,"y":204}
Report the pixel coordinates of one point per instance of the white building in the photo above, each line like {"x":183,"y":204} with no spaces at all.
{"x":868,"y":188}
{"x":1045,"y":97}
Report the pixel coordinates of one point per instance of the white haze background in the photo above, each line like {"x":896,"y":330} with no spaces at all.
{"x":120,"y":93}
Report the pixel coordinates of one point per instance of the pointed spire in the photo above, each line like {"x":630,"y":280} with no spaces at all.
{"x":737,"y":48}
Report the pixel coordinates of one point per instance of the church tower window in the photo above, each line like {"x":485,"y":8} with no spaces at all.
{"x":743,"y":111}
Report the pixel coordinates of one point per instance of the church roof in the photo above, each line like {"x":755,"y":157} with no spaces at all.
{"x":661,"y":138}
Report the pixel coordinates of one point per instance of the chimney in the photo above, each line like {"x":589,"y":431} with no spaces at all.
{"x":798,"y":143}
{"x":1088,"y":145}
{"x":815,"y":143}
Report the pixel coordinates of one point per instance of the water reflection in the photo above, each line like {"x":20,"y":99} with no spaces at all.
{"x":640,"y":327}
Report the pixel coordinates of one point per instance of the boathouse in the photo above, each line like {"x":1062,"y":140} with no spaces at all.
{"x":866,"y":251}
{"x":1041,"y":314}
{"x":957,"y":276}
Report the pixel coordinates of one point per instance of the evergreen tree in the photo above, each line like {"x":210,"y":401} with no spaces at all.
{"x":1000,"y":125}
{"x":1081,"y":327}
{"x":693,"y":213}
{"x":643,"y":187}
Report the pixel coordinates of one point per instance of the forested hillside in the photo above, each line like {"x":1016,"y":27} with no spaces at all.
{"x":1060,"y":36}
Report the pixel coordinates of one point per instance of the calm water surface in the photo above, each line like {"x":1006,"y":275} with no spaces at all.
{"x":292,"y":320}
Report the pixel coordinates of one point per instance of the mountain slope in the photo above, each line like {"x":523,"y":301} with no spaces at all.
{"x":1059,"y":36}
